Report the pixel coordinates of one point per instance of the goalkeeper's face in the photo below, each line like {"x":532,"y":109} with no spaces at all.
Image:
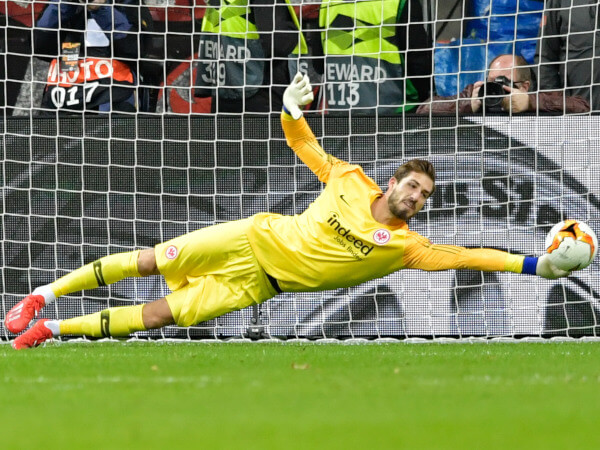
{"x":408,"y":196}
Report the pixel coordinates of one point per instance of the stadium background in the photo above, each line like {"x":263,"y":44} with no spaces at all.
{"x":77,"y":189}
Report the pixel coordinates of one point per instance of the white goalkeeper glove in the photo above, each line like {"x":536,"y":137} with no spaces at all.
{"x":546,"y":269}
{"x":298,"y":93}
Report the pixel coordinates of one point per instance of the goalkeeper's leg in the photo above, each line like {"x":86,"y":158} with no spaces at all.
{"x":102,"y":272}
{"x":119,"y":321}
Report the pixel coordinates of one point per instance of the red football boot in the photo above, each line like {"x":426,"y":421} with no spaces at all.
{"x":22,"y":313}
{"x":34,"y":336}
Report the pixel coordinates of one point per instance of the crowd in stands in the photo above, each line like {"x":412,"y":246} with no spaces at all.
{"x":368,"y":57}
{"x":507,"y":88}
{"x":91,"y":69}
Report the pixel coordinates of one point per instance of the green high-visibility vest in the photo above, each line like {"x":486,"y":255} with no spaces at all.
{"x":230,"y":55}
{"x":297,"y":62}
{"x":364,"y":68}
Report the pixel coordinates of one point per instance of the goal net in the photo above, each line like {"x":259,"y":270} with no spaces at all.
{"x":79,"y":186}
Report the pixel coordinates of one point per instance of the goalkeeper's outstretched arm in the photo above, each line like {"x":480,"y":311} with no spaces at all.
{"x":422,"y":254}
{"x":299,"y":136}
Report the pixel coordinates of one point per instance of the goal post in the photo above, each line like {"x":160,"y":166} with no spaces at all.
{"x":78,"y":187}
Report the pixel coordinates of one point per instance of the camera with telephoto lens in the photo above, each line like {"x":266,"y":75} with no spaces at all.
{"x":492,"y":93}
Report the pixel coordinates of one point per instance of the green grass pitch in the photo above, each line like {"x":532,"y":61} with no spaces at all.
{"x":137,"y":395}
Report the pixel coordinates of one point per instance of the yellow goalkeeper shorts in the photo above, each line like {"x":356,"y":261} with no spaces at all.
{"x":210,"y":272}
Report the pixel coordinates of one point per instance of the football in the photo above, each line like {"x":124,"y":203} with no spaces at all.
{"x":572,"y":245}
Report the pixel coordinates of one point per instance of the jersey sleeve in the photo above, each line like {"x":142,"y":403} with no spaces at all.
{"x":422,"y":254}
{"x":304,"y":143}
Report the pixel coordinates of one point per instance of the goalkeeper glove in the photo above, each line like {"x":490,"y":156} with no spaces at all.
{"x":298,"y":93}
{"x":546,"y":269}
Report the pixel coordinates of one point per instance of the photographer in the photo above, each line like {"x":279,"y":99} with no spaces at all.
{"x":93,"y":47}
{"x":505,"y":90}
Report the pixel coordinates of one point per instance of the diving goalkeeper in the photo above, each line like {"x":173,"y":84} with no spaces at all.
{"x":352,"y":233}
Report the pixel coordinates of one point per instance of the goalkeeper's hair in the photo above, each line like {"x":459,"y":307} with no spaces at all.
{"x":416,"y":165}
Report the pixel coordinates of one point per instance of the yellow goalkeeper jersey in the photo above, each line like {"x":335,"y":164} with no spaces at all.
{"x":336,"y":242}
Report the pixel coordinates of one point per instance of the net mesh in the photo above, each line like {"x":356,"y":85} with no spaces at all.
{"x":79,"y":187}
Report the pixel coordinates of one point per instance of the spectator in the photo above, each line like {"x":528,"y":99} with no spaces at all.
{"x":378,"y":56}
{"x":512,"y":75}
{"x":93,"y":48}
{"x":568,"y":51}
{"x":246,"y":54}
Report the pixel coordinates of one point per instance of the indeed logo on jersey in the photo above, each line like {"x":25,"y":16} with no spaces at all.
{"x":346,"y":234}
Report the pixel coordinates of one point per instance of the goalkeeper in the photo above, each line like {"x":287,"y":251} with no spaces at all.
{"x":352,"y":233}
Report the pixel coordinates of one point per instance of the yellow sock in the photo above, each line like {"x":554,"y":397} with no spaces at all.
{"x":104,"y":271}
{"x":119,"y":321}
